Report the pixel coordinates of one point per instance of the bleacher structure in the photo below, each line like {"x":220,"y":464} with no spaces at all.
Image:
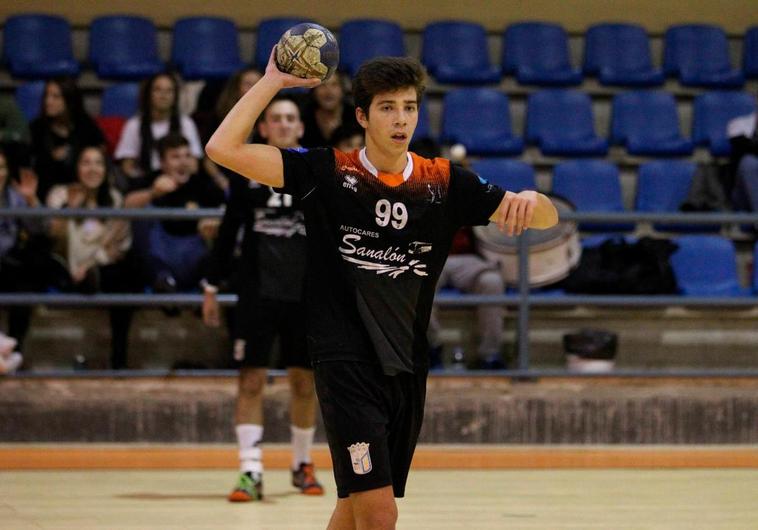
{"x":599,"y":118}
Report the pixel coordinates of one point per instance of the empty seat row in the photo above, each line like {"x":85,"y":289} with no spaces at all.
{"x":595,"y":186}
{"x":561,"y":122}
{"x":125,"y":47}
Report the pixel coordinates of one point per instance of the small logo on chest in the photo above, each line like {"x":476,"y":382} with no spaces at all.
{"x":350,"y":183}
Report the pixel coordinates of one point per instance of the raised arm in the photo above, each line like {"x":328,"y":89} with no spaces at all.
{"x":228,"y":146}
{"x":527,"y":209}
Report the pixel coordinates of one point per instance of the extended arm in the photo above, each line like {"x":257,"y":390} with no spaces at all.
{"x":228,"y":146}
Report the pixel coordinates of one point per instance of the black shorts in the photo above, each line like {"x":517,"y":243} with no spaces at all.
{"x":262,"y":321}
{"x":372,"y":423}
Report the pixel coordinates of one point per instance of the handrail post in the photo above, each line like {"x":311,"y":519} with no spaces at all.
{"x":523,"y":306}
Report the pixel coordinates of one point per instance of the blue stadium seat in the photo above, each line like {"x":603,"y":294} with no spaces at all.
{"x":698,"y":54}
{"x":619,"y":54}
{"x":423,"y":129}
{"x":706,"y":266}
{"x":662,"y":186}
{"x":29,"y":98}
{"x":269,"y":32}
{"x":38,"y":46}
{"x":647,"y":123}
{"x":479,"y":118}
{"x":120,"y":99}
{"x":124,"y":48}
{"x":713,"y":111}
{"x":537,"y":53}
{"x":561,"y":123}
{"x":591,"y":186}
{"x":205,"y":47}
{"x":750,"y":52}
{"x":361,"y":40}
{"x":511,"y":175}
{"x":457,"y":52}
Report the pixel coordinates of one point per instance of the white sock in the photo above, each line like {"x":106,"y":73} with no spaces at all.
{"x":249,"y":441}
{"x":302,"y":440}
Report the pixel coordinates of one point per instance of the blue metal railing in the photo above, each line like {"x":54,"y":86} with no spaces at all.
{"x":524,"y":300}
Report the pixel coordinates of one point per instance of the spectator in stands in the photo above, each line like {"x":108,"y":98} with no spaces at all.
{"x":96,"y":249}
{"x":326,"y":110}
{"x":158,"y":116}
{"x":347,"y":138}
{"x":174,"y":253}
{"x":13,"y":127}
{"x":60,"y":132}
{"x":743,"y":137}
{"x":211,"y":112}
{"x":25,"y":262}
{"x":467,"y":271}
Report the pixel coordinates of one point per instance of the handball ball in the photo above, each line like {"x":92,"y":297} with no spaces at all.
{"x":308,"y":50}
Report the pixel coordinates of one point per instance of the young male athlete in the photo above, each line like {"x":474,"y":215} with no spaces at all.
{"x":380,"y":222}
{"x":270,"y":289}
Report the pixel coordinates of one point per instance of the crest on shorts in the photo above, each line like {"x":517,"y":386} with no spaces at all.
{"x":361,"y":458}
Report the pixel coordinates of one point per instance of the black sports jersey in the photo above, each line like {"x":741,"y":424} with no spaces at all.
{"x":376,"y":247}
{"x":273,"y":245}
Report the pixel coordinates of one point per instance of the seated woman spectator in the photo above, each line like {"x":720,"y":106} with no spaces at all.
{"x":325,"y":111}
{"x":59,"y":133}
{"x":174,"y":253}
{"x":96,"y":249}
{"x":25,"y":261}
{"x":211,"y":112}
{"x":159,"y":115}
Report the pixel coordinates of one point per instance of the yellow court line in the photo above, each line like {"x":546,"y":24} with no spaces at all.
{"x":98,"y":456}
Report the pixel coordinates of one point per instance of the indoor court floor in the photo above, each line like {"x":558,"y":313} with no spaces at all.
{"x":614,"y":499}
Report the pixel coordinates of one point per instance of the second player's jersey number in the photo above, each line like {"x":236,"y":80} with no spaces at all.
{"x":391,"y":213}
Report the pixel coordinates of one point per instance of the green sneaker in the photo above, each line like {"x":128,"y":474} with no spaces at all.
{"x":249,"y":488}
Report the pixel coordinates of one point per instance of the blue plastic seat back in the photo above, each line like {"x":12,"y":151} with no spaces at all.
{"x":509,"y":174}
{"x":712,"y":112}
{"x":562,"y":113}
{"x":205,"y":47}
{"x":535,"y":45}
{"x":475,"y":113}
{"x":29,"y":98}
{"x":643,"y":113}
{"x":456,"y":44}
{"x":364,"y":39}
{"x":695,"y":47}
{"x":706,"y":266}
{"x":124,"y":46}
{"x":663,"y":185}
{"x":269,"y":32}
{"x":619,"y":47}
{"x":120,"y":99}
{"x":750,"y":52}
{"x":591,"y":185}
{"x":423,"y":128}
{"x":37,"y":46}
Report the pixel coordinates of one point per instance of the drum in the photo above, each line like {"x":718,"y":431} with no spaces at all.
{"x":553,"y":253}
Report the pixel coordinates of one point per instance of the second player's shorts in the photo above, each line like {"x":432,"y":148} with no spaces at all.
{"x":260,"y":322}
{"x":372,"y":423}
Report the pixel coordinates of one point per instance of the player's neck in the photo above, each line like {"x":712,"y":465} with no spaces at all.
{"x":385,"y":161}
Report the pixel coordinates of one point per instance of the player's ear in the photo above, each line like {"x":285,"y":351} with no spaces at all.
{"x":361,"y":117}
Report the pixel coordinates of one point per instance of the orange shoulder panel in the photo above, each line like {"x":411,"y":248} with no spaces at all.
{"x":434,"y":169}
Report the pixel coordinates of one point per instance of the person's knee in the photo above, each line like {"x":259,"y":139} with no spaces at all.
{"x":490,"y":282}
{"x":301,"y":384}
{"x":375,"y":509}
{"x":251,"y":382}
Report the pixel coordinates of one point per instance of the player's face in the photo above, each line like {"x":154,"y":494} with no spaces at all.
{"x":178,"y":163}
{"x":91,"y":168}
{"x":391,"y":120}
{"x":281,"y":125}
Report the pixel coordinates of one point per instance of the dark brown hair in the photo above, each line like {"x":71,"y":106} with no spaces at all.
{"x":172,"y":140}
{"x":387,"y":74}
